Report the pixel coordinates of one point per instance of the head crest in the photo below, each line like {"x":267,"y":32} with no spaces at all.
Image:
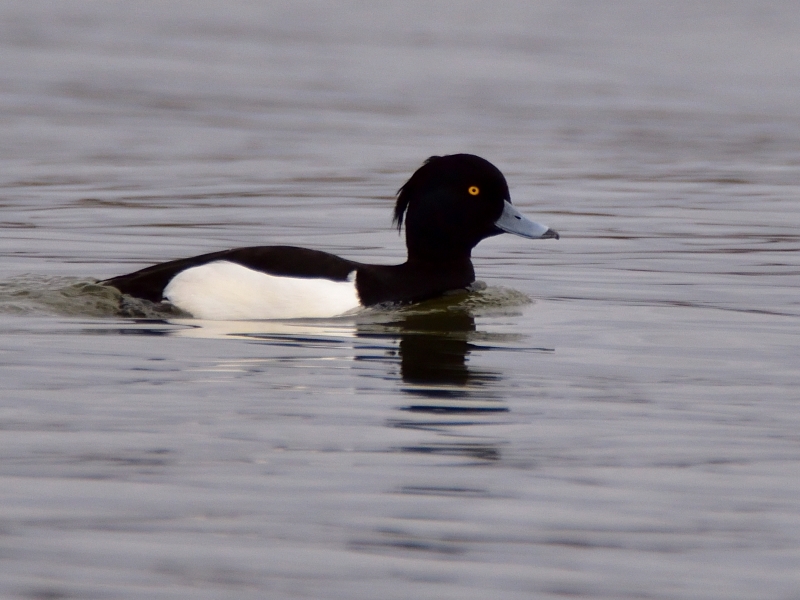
{"x":405,"y":193}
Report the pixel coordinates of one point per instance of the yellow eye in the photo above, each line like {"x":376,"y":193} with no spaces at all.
{"x":473,"y":190}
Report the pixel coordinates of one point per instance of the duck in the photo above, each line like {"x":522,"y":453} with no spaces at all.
{"x":448,"y":206}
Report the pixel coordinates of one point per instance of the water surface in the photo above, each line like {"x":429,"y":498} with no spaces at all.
{"x":615,"y":415}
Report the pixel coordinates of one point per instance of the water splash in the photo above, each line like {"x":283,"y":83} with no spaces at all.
{"x":74,"y":296}
{"x":478,"y":300}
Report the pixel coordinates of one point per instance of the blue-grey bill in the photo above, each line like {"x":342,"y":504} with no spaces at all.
{"x":513,"y":221}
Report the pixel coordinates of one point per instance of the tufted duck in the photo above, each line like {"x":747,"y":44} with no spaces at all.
{"x":449,"y":205}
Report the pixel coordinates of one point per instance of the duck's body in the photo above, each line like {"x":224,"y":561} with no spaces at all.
{"x":449,"y":205}
{"x":284,"y":282}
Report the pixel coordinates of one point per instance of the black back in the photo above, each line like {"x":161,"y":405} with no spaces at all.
{"x":288,"y":261}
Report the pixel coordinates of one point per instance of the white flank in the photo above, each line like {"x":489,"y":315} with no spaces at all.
{"x":225,"y":291}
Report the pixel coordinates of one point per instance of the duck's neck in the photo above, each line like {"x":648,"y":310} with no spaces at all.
{"x":430,"y":278}
{"x":416,"y":279}
{"x":442,"y":266}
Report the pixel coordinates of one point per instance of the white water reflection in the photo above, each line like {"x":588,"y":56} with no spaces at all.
{"x":249,"y":330}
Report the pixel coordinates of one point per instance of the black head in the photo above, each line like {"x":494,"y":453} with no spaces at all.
{"x":449,"y":205}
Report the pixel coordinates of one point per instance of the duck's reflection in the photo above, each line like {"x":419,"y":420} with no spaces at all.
{"x":437,"y":350}
{"x":433,"y":348}
{"x":448,"y":396}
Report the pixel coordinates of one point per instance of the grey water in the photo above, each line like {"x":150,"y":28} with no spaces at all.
{"x":615,"y":415}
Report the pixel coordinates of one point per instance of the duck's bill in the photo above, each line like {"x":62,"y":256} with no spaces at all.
{"x":513,"y":221}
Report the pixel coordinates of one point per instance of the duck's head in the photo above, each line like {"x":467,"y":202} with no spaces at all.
{"x":453,"y":202}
